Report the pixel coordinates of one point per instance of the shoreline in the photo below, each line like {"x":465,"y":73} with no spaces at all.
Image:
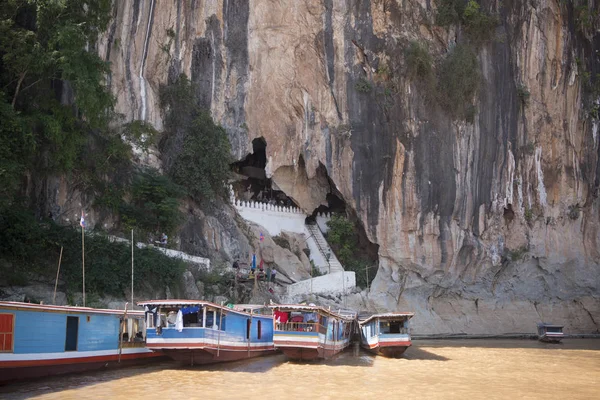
{"x":523,"y":336}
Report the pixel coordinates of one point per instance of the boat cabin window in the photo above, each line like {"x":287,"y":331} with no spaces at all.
{"x":259,"y":329}
{"x":392,"y":327}
{"x":248,"y":324}
{"x":7,"y":326}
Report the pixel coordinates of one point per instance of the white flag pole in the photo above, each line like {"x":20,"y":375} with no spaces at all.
{"x":83,"y":257}
{"x":132,"y":268}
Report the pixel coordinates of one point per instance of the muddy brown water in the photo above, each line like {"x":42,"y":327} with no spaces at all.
{"x":430,"y":369}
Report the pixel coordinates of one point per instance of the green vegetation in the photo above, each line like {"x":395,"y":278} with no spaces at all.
{"x":154,"y":204}
{"x":573,"y":212}
{"x":523,"y":94}
{"x":344,"y":241}
{"x":35,"y":247}
{"x":479,"y":25}
{"x":314,"y":271}
{"x":141,"y":134}
{"x":57,"y":116}
{"x":518,"y":254}
{"x":43,"y":51}
{"x":528,"y":215}
{"x":458,"y":82}
{"x":201,"y":165}
{"x":363,"y":86}
{"x":529,"y":148}
{"x":418,"y":61}
{"x":282,"y":242}
{"x":586,"y":18}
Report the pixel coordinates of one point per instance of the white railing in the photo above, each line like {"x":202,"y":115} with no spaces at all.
{"x":168,"y":252}
{"x":330,"y":284}
{"x":273,"y":217}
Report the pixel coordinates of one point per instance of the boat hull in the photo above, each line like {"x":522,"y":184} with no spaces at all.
{"x":309,"y":354}
{"x":31,"y":367}
{"x":551,"y":339}
{"x":312,"y":348}
{"x":391,"y":351}
{"x":202,"y":356}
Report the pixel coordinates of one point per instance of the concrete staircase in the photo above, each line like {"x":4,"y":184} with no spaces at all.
{"x":333,"y":263}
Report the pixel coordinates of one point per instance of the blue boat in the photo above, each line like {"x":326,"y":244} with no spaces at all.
{"x":40,"y":340}
{"x":200,"y":332}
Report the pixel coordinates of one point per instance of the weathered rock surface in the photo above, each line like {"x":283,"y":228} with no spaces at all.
{"x":472,"y":220}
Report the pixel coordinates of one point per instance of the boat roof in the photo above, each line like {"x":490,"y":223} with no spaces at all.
{"x":346,"y":314}
{"x":17,"y":305}
{"x":180,"y":302}
{"x":244,"y":307}
{"x":545,"y":325}
{"x":364,"y":318}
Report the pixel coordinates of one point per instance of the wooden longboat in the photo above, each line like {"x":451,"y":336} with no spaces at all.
{"x":304,"y":332}
{"x":385,"y":334}
{"x":43,"y":340}
{"x":201,"y":332}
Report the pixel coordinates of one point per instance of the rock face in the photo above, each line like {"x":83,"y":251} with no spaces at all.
{"x":482,"y":227}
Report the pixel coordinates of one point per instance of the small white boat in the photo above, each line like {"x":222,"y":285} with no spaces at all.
{"x":550,"y":333}
{"x":385,"y":334}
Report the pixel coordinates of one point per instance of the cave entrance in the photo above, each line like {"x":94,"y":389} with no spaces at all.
{"x":251,"y":183}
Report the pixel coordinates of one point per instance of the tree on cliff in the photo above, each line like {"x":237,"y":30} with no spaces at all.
{"x":196,"y":151}
{"x":52,"y":88}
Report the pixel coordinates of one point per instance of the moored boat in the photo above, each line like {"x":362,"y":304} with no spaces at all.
{"x":385,"y":334}
{"x":550,"y":333}
{"x":200,"y":332}
{"x":305,"y":332}
{"x":41,"y":340}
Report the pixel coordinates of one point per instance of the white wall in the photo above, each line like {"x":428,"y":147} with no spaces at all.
{"x":274,"y":219}
{"x":334,"y":283}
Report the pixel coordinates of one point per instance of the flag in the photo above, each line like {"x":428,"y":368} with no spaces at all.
{"x":253,"y":262}
{"x":82,"y":220}
{"x":262,"y":237}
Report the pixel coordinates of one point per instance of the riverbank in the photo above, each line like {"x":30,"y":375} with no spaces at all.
{"x":524,"y":336}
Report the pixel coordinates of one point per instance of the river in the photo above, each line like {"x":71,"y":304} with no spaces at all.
{"x":449,"y":369}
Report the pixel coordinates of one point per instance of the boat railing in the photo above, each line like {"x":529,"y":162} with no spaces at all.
{"x":299,"y":327}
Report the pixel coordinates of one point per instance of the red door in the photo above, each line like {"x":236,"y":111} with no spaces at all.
{"x":6,"y":332}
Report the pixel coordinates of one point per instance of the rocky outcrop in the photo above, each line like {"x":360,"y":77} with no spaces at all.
{"x":483,"y":227}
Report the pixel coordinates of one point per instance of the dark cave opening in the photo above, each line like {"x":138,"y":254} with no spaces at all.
{"x":251,"y":183}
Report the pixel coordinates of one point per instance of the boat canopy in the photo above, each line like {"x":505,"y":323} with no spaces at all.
{"x":365,"y":318}
{"x":64,"y":309}
{"x":175,"y":304}
{"x":344,"y":314}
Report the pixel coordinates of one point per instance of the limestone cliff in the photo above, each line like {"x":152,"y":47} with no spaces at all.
{"x":483,"y":227}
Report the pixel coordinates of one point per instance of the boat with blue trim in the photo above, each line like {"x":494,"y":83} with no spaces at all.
{"x":385,"y":334}
{"x":39,"y":340}
{"x":201,"y":332}
{"x":309,"y":332}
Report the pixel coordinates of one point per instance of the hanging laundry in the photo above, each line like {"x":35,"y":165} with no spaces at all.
{"x":179,"y":321}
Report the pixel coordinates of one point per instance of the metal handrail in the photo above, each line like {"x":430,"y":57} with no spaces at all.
{"x":314,"y":226}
